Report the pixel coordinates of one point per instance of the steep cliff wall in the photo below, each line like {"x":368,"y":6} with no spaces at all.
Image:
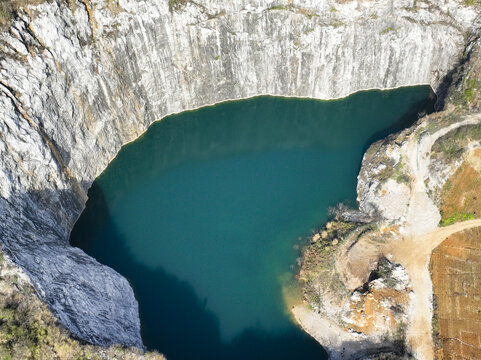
{"x":78,"y":81}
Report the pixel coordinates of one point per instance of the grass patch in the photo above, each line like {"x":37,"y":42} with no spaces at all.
{"x":337,"y":23}
{"x":435,"y":320}
{"x":450,"y":150}
{"x":387,"y":30}
{"x":6,"y":13}
{"x":457,"y":217}
{"x":307,"y":13}
{"x":279,"y":7}
{"x":467,"y":94}
{"x":472,"y":86}
{"x":399,"y":174}
{"x":460,"y":199}
{"x":452,"y":145}
{"x":177,"y":4}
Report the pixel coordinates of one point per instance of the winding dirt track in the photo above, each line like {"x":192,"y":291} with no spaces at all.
{"x":414,"y":254}
{"x":421,"y":237}
{"x":412,"y":248}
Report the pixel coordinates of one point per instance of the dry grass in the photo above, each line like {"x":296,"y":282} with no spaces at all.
{"x":456,"y":264}
{"x":460,"y":197}
{"x":456,"y":274}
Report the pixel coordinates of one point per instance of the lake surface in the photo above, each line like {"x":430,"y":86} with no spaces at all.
{"x":206,"y":212}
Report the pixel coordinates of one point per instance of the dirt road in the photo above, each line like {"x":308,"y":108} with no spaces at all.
{"x":414,"y":254}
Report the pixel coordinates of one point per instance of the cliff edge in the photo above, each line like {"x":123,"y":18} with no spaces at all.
{"x":79,"y":79}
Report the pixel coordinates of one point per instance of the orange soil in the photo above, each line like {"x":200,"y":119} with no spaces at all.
{"x":369,"y":312}
{"x":456,"y":269}
{"x":461,"y":192}
{"x":456,"y":275}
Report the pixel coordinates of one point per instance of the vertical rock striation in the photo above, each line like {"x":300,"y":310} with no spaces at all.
{"x":78,"y":82}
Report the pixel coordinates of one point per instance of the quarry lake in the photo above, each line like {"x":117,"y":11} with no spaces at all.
{"x":206,"y":214}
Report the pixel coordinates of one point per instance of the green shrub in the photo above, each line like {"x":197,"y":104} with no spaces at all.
{"x":387,"y":30}
{"x":457,"y":217}
{"x":176,"y":4}
{"x":278,"y":7}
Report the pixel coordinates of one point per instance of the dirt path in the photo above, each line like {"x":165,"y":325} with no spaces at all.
{"x":421,"y":237}
{"x":423,"y":215}
{"x":414,"y":254}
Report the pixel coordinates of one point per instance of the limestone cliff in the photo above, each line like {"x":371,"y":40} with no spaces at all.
{"x":79,"y":80}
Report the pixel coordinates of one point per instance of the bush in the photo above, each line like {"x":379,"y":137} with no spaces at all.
{"x":457,"y":217}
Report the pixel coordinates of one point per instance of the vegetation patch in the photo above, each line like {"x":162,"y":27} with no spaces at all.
{"x":307,"y":13}
{"x":373,"y":149}
{"x":451,"y":146}
{"x":8,"y":9}
{"x":400,"y":173}
{"x":29,"y":331}
{"x":466,"y":93}
{"x":460,"y":196}
{"x":472,"y":86}
{"x":435,"y":122}
{"x":318,"y":276}
{"x":387,"y":171}
{"x":279,"y":7}
{"x":457,"y":217}
{"x":387,"y":30}
{"x":385,"y":271}
{"x":456,"y":323}
{"x":177,"y":4}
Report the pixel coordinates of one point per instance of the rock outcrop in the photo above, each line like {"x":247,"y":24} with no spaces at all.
{"x":80,"y":79}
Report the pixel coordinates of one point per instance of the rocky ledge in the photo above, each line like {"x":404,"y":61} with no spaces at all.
{"x":79,"y":79}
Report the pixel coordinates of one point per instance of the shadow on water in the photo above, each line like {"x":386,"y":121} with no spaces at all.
{"x":330,"y":136}
{"x":188,"y":330}
{"x":416,"y":111}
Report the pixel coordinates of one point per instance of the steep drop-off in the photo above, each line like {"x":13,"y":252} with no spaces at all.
{"x":78,"y":82}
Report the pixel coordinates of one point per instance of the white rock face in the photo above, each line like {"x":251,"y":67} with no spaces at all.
{"x":76,"y":84}
{"x":393,"y":200}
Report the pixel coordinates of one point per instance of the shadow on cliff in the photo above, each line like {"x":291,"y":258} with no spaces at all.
{"x":173,"y":319}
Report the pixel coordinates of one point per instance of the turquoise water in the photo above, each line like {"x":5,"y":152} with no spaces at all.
{"x":205,"y":214}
